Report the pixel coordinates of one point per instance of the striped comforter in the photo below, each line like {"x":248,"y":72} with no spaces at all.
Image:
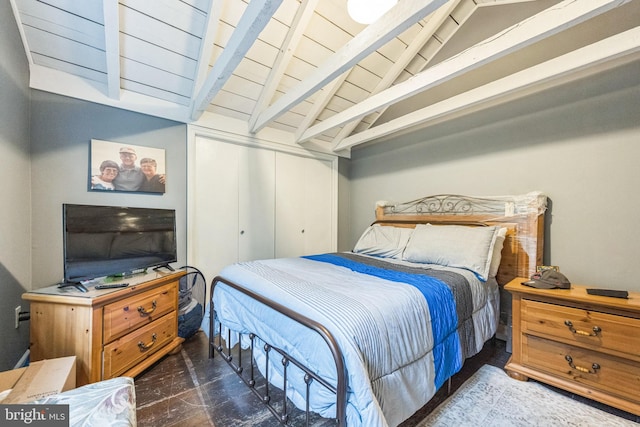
{"x":403,"y":329}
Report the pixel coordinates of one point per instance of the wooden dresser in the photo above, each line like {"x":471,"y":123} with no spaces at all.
{"x":112,"y":332}
{"x":589,"y":345}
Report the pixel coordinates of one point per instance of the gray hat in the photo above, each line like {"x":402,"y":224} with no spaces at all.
{"x":127,"y":150}
{"x":549,"y":279}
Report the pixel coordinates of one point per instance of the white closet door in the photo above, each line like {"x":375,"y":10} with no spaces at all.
{"x":318,"y":207}
{"x":214,"y":230}
{"x":233,"y":206}
{"x":303,"y":206}
{"x":256,"y":210}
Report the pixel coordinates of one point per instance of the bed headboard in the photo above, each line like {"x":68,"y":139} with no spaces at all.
{"x":523,"y":215}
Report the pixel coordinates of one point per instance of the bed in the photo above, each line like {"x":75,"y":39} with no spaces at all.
{"x":367,"y":337}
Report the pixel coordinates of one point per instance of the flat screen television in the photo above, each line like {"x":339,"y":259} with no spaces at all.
{"x":103,"y":241}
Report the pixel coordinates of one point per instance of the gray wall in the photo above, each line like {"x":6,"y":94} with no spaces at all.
{"x":61,"y":132}
{"x":15,"y":226}
{"x":579,"y":144}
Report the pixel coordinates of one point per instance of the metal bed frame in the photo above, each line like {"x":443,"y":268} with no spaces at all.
{"x":283,"y":414}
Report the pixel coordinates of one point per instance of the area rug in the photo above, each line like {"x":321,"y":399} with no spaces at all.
{"x":491,"y":398}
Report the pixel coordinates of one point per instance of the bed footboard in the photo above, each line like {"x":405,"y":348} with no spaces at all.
{"x":282,"y":414}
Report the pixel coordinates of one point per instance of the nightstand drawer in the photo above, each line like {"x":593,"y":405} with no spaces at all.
{"x":611,"y":374}
{"x":130,"y":313}
{"x":129,"y":350}
{"x":581,"y":327}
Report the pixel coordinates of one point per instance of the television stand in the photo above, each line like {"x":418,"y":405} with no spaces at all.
{"x":112,"y":332}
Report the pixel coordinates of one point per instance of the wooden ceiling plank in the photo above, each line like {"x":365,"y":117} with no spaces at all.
{"x":203,"y":5}
{"x":588,"y":60}
{"x":155,"y":77}
{"x":434,"y":22}
{"x":69,"y":26}
{"x":394,"y":22}
{"x":86,"y":9}
{"x":129,"y":86}
{"x":546,"y":23}
{"x":175,"y":13}
{"x":300,"y":22}
{"x":72,"y":69}
{"x":156,"y":56}
{"x":144,"y":27}
{"x":112,"y":46}
{"x":64,"y":49}
{"x":262,"y":53}
{"x":255,"y":18}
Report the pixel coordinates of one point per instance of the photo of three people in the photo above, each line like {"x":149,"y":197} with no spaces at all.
{"x":126,"y":167}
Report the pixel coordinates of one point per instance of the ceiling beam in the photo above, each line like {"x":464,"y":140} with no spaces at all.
{"x":206,"y":46}
{"x":393,"y":23}
{"x":591,"y":59}
{"x":255,"y":17}
{"x":434,"y":22}
{"x":546,"y":23}
{"x":296,"y":31}
{"x":323,"y":97}
{"x":112,"y":46}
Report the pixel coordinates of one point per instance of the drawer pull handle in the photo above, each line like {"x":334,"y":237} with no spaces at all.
{"x":142,"y":346}
{"x":144,"y":312}
{"x":596,"y":330}
{"x":593,"y":370}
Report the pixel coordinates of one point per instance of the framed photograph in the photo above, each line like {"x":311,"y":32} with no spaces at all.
{"x":125,"y":167}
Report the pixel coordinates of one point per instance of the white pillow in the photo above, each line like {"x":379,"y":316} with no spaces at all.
{"x":383,"y":241}
{"x":454,"y":246}
{"x":497,"y":252}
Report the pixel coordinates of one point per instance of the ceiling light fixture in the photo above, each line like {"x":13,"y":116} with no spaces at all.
{"x":368,"y":11}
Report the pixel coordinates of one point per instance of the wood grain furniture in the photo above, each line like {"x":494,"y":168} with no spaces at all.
{"x":114,"y":332}
{"x":589,"y":345}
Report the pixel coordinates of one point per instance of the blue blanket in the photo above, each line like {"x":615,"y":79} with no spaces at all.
{"x":444,"y":320}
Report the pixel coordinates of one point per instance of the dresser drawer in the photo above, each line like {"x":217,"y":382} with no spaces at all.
{"x":610,"y":374}
{"x":581,"y":327}
{"x":123,"y":316}
{"x":129,"y":350}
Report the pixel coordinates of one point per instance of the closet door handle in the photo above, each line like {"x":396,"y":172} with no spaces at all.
{"x":241,"y":232}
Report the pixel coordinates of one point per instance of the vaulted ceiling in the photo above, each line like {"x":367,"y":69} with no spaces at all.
{"x":306,"y":68}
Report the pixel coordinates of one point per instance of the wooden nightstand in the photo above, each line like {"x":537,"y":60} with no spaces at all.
{"x":589,"y":345}
{"x":115,"y":332}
